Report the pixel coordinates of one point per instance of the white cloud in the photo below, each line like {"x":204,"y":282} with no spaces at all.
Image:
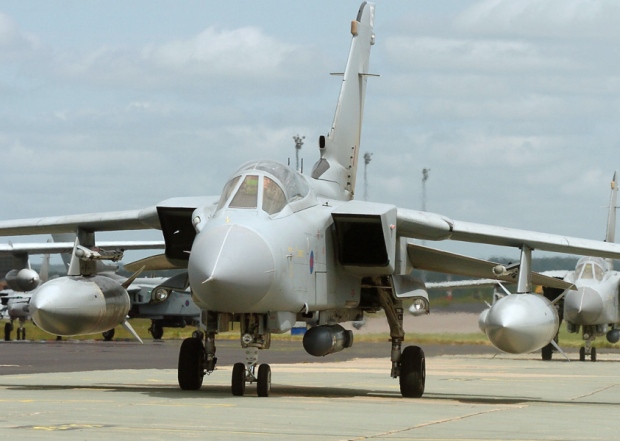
{"x":576,"y":19}
{"x":239,"y":52}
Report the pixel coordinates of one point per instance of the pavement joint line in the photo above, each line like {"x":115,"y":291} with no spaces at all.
{"x":594,"y":392}
{"x":437,"y":422}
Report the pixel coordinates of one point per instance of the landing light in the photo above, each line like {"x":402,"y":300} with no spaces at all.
{"x":159,"y":295}
{"x":419,"y":306}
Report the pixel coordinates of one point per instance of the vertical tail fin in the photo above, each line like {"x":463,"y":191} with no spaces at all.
{"x":340,"y":149}
{"x":610,"y":236}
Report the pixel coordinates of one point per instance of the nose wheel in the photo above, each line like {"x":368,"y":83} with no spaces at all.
{"x":247,"y":373}
{"x":587,"y":351}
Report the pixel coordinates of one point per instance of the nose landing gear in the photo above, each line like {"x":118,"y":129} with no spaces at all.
{"x":254,"y":336}
{"x":247,"y":373}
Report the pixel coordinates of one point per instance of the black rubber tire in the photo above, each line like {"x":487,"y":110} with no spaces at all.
{"x":157,"y":331}
{"x":547,"y":352}
{"x":108,"y":335}
{"x":237,"y":384}
{"x":263,"y":380}
{"x":412,"y":372}
{"x":190,"y":371}
{"x":582,"y":354}
{"x":593,"y":354}
{"x":8,"y":328}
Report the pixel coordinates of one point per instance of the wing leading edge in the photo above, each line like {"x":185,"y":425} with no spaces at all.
{"x":430,"y":226}
{"x":430,"y":259}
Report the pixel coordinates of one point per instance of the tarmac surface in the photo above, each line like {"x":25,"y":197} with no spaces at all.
{"x":98,"y":390}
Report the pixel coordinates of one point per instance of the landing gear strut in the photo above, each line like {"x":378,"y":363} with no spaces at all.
{"x":410,"y":366}
{"x":588,"y":350}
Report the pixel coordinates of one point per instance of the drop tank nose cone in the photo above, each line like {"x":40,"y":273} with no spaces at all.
{"x":73,"y":305}
{"x":51,"y":310}
{"x":231,"y":269}
{"x":521,"y":323}
{"x":583,"y":306}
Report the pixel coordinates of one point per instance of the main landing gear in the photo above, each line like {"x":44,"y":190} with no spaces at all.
{"x":410,"y":365}
{"x":21,"y":331}
{"x":197,"y":354}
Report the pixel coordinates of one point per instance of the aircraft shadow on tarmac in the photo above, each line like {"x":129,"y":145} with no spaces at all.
{"x":216,"y":392}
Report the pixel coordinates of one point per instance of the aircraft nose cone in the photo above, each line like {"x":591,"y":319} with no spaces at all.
{"x":583,"y":306}
{"x":521,"y":323}
{"x":231,"y":269}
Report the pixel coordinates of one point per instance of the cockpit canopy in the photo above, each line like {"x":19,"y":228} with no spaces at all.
{"x":268,"y":183}
{"x":591,"y":268}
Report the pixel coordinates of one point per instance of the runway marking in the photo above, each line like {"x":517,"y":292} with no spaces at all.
{"x":63,"y":427}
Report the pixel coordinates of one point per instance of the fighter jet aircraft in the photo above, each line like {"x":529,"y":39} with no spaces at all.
{"x":590,"y":304}
{"x":593,"y":306}
{"x":16,"y":297}
{"x":278,"y":246}
{"x":23,"y":279}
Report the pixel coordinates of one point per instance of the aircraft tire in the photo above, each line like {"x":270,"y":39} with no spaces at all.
{"x":190,"y":370}
{"x":108,"y":335}
{"x":582,"y":354}
{"x":157,"y":331}
{"x":412,"y":372}
{"x":238,"y":380}
{"x":8,"y":328}
{"x":263,"y":380}
{"x":547,"y":352}
{"x":593,"y":354}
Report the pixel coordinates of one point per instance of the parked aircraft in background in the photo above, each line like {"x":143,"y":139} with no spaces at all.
{"x":16,"y":298}
{"x":165,"y":307}
{"x":590,"y":304}
{"x":278,"y":246}
{"x":593,"y":307}
{"x":23,"y":279}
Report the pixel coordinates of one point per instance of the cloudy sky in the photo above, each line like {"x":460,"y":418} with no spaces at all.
{"x":513,"y":105}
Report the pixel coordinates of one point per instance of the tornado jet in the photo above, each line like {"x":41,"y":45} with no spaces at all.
{"x":278,"y":246}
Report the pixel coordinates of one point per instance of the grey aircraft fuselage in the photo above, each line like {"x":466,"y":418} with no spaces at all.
{"x":256,"y":258}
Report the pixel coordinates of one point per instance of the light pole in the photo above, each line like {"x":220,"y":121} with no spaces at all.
{"x":299,"y":142}
{"x":366,"y":162}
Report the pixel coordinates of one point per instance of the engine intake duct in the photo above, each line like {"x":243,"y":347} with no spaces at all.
{"x":365,"y":237}
{"x":327,"y":339}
